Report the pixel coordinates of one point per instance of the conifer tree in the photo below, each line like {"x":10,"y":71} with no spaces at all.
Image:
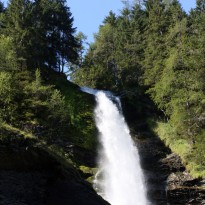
{"x":42,"y":33}
{"x":18,"y":27}
{"x":196,"y":62}
{"x":173,"y":41}
{"x":200,"y":6}
{"x":161,"y":44}
{"x":55,"y":24}
{"x":1,"y":7}
{"x":156,"y":28}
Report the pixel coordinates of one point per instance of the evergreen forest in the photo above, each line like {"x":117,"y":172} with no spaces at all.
{"x":38,"y":106}
{"x":155,"y":49}
{"x":152,"y":55}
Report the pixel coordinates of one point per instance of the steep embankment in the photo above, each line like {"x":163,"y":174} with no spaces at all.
{"x":40,"y":163}
{"x":167,"y":180}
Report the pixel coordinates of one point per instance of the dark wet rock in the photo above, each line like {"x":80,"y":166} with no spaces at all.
{"x":22,"y":188}
{"x":174,"y":163}
{"x":151,"y":151}
{"x":30,"y":176}
{"x":72,"y":193}
{"x":177,"y":179}
{"x":167,"y":181}
{"x":183,"y":189}
{"x":186,"y":195}
{"x":76,"y":153}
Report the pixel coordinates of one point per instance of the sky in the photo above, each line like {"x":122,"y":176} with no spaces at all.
{"x":89,"y":14}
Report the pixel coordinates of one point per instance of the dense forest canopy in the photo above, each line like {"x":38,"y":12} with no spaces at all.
{"x":41,"y":33}
{"x":37,"y":44}
{"x":154,"y":47}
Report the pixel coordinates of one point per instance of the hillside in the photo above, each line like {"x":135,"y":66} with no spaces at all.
{"x":152,"y":54}
{"x":42,"y":155}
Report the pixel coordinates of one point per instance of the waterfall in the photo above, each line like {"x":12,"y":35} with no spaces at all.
{"x":120,"y":179}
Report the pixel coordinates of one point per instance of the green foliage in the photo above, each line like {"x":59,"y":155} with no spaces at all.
{"x":196,"y":157}
{"x":113,"y":61}
{"x":88,"y":170}
{"x":192,"y":155}
{"x":168,"y":134}
{"x":157,"y":49}
{"x":42,"y":33}
{"x":156,"y":28}
{"x":80,"y":106}
{"x":56,"y":106}
{"x":40,"y":107}
{"x":1,"y":7}
{"x":8,"y":93}
{"x":89,"y":173}
{"x":8,"y":60}
{"x":6,"y":87}
{"x":28,"y":104}
{"x":46,"y":106}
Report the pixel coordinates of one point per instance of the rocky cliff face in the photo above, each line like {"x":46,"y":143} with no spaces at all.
{"x":168,"y":183}
{"x":167,"y":180}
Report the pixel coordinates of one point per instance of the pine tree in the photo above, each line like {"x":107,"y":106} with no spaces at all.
{"x":42,"y":33}
{"x":200,"y":6}
{"x":18,"y":27}
{"x":1,"y":7}
{"x":56,"y":28}
{"x":114,"y":61}
{"x":155,"y":52}
{"x":196,"y":63}
{"x":162,"y":89}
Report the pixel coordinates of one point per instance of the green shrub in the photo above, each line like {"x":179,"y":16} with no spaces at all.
{"x":8,"y":100}
{"x":8,"y":59}
{"x":192,"y":154}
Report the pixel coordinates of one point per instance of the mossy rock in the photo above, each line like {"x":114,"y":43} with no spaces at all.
{"x":88,"y":173}
{"x":88,"y":170}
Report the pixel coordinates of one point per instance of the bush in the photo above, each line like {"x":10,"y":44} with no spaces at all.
{"x":8,"y":59}
{"x":8,"y":93}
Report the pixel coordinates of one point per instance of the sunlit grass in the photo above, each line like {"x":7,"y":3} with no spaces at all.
{"x":26,"y":135}
{"x":181,"y":147}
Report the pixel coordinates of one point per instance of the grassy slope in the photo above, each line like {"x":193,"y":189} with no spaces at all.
{"x":192,"y":158}
{"x":143,"y":118}
{"x":72,"y":149}
{"x":80,"y":105}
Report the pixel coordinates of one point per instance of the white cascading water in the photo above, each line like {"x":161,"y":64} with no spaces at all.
{"x":120,"y":179}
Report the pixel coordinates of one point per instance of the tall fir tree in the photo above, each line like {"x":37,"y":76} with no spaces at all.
{"x":155,"y":52}
{"x":18,"y":27}
{"x":42,"y":33}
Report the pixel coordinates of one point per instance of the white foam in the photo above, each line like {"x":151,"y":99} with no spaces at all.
{"x":120,"y":179}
